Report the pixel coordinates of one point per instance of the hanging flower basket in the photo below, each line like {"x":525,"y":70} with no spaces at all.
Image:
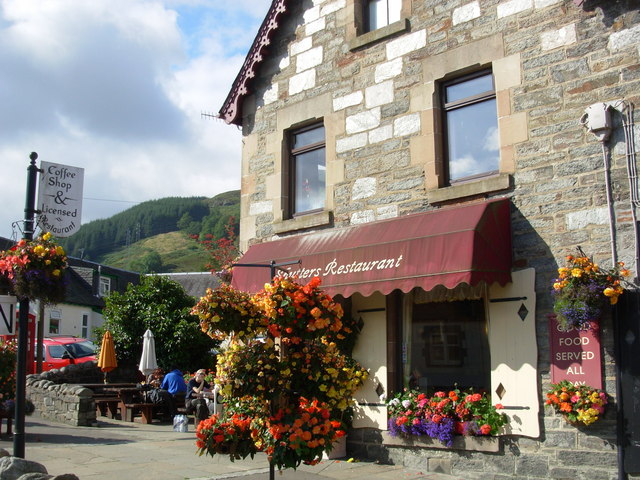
{"x":583,"y":291}
{"x":579,"y":404}
{"x":34,"y":270}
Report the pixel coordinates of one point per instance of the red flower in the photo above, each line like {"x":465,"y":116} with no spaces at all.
{"x":485,"y":429}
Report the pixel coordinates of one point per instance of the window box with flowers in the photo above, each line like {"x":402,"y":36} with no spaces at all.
{"x":457,"y":419}
{"x":579,"y":404}
{"x":582,"y":291}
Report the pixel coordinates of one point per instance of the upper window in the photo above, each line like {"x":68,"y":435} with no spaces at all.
{"x":380,"y":13}
{"x":105,"y":286}
{"x":308,"y":169}
{"x":471,"y":127}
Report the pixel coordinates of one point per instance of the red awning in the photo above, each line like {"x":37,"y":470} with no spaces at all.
{"x":453,"y":245}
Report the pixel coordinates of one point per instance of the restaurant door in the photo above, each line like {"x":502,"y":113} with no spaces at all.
{"x":627,"y":319}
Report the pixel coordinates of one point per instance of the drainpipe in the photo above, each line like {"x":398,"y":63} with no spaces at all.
{"x":597,"y":119}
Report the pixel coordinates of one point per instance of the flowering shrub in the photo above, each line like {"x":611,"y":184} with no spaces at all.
{"x":35,"y":269}
{"x":316,"y":370}
{"x":228,"y":434}
{"x":296,"y":312}
{"x":289,"y":437}
{"x":444,"y":415}
{"x":225,"y":311}
{"x":8,"y":351}
{"x":578,"y":403}
{"x":286,"y":382}
{"x":581,"y":291}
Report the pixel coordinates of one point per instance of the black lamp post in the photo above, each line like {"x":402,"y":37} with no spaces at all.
{"x":23,"y":319}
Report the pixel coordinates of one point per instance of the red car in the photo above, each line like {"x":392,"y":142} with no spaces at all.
{"x":65,"y":350}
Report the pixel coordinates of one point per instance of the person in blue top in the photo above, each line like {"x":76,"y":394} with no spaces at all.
{"x":173,"y":382}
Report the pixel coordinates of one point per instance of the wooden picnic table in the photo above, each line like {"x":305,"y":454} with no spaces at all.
{"x":131,"y":401}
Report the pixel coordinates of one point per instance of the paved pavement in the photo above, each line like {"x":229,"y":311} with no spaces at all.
{"x":121,"y":451}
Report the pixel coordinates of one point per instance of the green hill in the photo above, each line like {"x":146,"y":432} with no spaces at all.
{"x":177,"y":253}
{"x":157,"y":236}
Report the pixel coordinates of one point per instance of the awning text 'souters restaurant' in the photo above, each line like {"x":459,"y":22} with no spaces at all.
{"x":453,"y":245}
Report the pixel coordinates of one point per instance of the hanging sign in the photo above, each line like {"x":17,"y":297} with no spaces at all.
{"x":575,"y":355}
{"x":7,"y":314}
{"x":60,"y":198}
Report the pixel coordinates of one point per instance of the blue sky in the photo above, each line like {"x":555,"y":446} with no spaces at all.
{"x":117,"y":87}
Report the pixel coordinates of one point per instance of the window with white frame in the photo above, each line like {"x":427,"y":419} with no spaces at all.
{"x":54,"y":321}
{"x":380,"y":13}
{"x":472,"y":147}
{"x":85,"y":325}
{"x":307,"y":168}
{"x":104,"y":286}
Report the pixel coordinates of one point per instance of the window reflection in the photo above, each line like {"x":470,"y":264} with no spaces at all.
{"x":471,"y":122}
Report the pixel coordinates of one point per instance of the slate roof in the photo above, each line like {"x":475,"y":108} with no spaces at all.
{"x":195,"y":283}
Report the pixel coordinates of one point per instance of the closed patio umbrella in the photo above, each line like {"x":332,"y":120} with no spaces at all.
{"x":148,"y":362}
{"x":107,"y":360}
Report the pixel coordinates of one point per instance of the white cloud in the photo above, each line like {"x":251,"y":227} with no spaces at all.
{"x":463,"y":166}
{"x":117,"y":87}
{"x":491,"y":140}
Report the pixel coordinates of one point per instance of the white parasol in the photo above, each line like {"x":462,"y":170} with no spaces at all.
{"x":148,"y":362}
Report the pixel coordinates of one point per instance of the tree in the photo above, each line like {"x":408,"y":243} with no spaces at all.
{"x":223,"y":251}
{"x":161,"y":305}
{"x":151,"y":262}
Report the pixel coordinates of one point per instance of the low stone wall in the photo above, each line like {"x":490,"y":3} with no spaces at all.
{"x":87,"y":372}
{"x":65,"y":403}
{"x":57,"y":395}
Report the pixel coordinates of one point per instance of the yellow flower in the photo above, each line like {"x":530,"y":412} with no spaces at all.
{"x":576,"y":272}
{"x":56,"y":272}
{"x":59,"y":250}
{"x":46,"y":236}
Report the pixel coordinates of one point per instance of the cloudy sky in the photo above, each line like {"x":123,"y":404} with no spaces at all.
{"x":117,"y":87}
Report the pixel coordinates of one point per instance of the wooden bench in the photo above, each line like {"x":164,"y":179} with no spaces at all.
{"x":9,"y":418}
{"x":145,"y":409}
{"x":108,"y":406}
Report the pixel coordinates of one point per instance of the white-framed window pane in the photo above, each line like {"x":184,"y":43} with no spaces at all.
{"x":380,"y":13}
{"x":310,"y":180}
{"x":471,"y":120}
{"x":308,"y":166}
{"x":395,"y":8}
{"x":105,"y":286}
{"x":54,"y":325}
{"x":85,"y":325}
{"x":473,"y":140}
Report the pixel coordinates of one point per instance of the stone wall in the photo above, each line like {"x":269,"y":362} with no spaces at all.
{"x":57,"y":395}
{"x":64,"y":403}
{"x":378,"y":101}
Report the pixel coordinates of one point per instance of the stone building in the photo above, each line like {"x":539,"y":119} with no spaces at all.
{"x":434,"y":162}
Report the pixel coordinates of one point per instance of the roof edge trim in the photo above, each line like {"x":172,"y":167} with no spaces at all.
{"x":231,"y":111}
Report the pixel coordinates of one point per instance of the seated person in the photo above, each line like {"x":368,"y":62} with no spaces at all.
{"x":173,"y":382}
{"x":194,"y":402}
